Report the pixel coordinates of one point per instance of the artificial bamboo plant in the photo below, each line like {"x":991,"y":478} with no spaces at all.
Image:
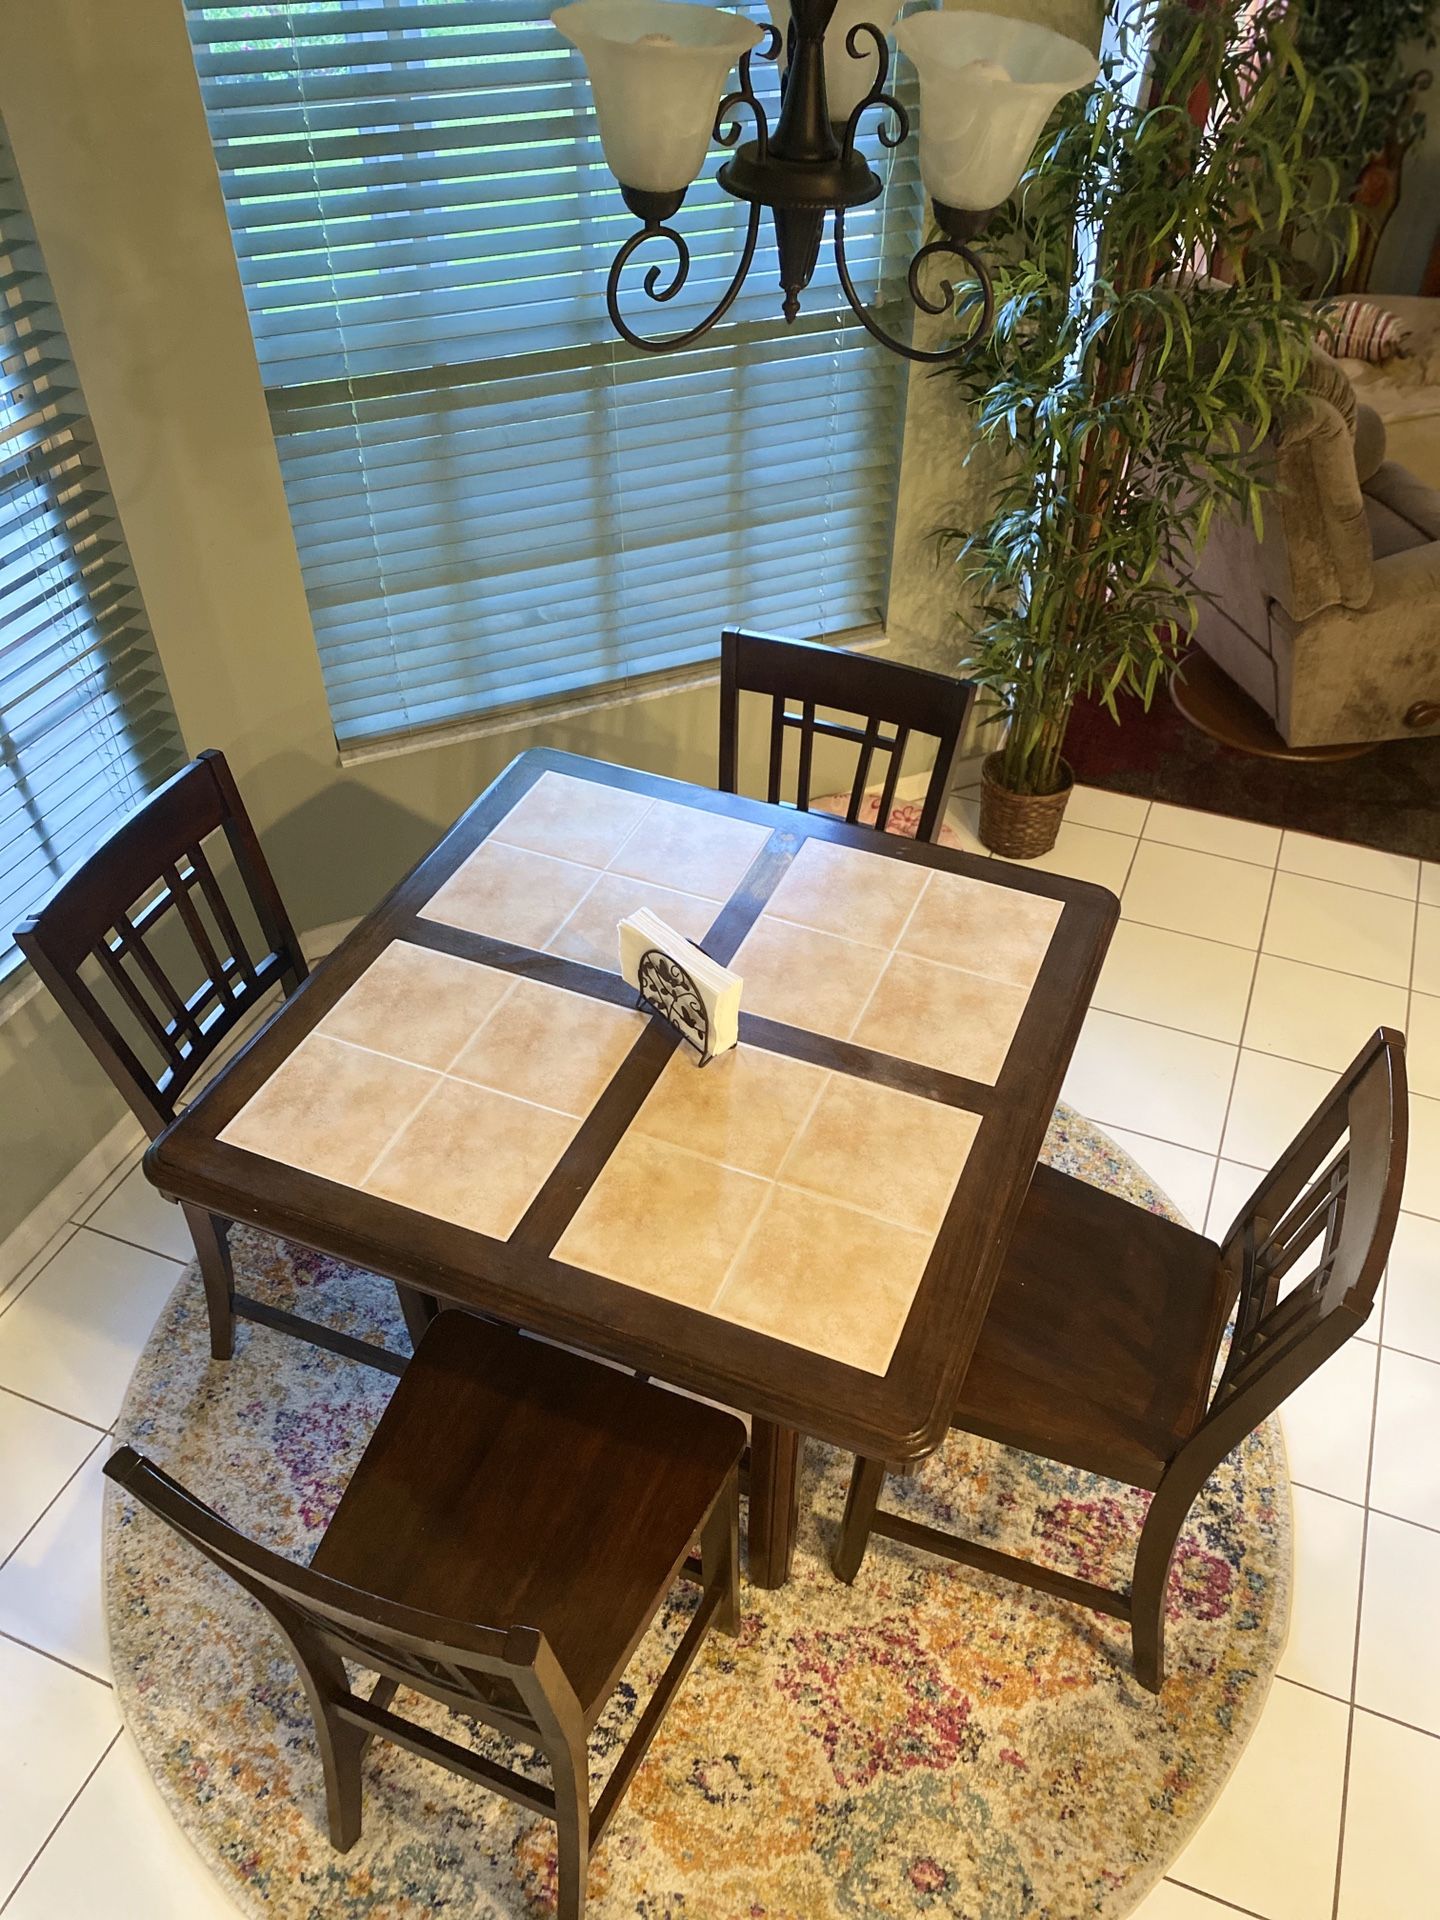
{"x":1147,"y":334}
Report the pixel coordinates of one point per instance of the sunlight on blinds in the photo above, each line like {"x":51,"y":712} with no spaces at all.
{"x":496,"y":501}
{"x":86,"y":727}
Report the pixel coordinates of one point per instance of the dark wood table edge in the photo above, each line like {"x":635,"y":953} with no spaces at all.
{"x":776,"y":1422}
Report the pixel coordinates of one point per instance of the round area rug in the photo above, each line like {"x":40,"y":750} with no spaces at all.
{"x":929,"y":1742}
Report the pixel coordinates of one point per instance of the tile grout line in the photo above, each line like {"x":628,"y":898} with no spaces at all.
{"x":1359,"y":1619}
{"x":764,"y":1206}
{"x":58,"y":1494}
{"x":1228,"y":1906}
{"x":138,"y":1246}
{"x":1381,"y":1513}
{"x":1239,"y":1045}
{"x":56,"y":1659}
{"x":65,"y":1814}
{"x":891,"y":953}
{"x":62,"y":1413}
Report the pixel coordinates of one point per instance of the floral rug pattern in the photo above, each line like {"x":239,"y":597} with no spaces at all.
{"x":931,"y":1742}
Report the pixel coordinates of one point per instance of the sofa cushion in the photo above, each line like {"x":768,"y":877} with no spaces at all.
{"x":1390,"y":532}
{"x":1369,"y":443}
{"x":1406,"y":501}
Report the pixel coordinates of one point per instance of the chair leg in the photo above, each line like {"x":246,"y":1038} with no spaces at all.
{"x":419,"y":1310}
{"x":865,"y":1484}
{"x":209,"y":1232}
{"x":570,"y":1775}
{"x":720,"y":1553}
{"x":342,"y":1748}
{"x":1149,"y":1588}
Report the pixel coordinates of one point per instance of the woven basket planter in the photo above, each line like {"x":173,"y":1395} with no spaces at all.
{"x":1020,"y":826}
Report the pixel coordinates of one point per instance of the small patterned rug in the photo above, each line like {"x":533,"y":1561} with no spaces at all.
{"x":931,"y":1742}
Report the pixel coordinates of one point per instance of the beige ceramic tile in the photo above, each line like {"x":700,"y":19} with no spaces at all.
{"x":510,"y":894}
{"x":991,"y":930}
{"x":744,"y":1108}
{"x":942,"y":1017}
{"x":330,"y":1109}
{"x":889,"y":1152}
{"x":826,"y":1278}
{"x":573,"y":819}
{"x":555,"y":1048}
{"x":473,"y":1156}
{"x":417,"y":1005}
{"x":804,"y":978}
{"x":862,"y":896}
{"x":687,"y":848}
{"x":590,"y":933}
{"x":663,"y":1220}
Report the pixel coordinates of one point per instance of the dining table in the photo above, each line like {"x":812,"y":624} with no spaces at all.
{"x":465,"y":1098}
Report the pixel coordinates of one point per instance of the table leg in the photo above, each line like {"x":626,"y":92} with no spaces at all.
{"x":774,"y":1464}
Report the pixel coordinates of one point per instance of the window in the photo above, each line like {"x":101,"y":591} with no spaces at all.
{"x":496,"y":502}
{"x":86,"y":727}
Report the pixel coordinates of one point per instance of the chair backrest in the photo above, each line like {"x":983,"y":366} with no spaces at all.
{"x":880,"y":694}
{"x":1334,"y":1196}
{"x":143,"y":950}
{"x":506,"y":1676}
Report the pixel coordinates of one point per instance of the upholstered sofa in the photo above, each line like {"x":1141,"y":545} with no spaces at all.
{"x":1331,"y":621}
{"x":1405,"y":390}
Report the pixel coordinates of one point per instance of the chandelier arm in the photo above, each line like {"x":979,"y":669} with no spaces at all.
{"x":745,"y":96}
{"x":939,"y":304}
{"x":655,"y":291}
{"x":877,"y":96}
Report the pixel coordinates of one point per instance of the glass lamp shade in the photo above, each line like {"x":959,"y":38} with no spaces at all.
{"x":657,"y":69}
{"x":987,"y":87}
{"x":847,"y":80}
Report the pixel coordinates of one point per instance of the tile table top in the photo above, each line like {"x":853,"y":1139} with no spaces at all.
{"x":466,"y":1097}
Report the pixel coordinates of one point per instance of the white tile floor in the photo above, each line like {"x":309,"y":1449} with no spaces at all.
{"x":1248,"y":966}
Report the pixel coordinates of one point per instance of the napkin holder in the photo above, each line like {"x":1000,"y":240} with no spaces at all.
{"x":676,"y":980}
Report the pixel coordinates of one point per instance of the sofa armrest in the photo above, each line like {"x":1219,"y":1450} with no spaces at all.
{"x":1320,"y":556}
{"x":1407,"y":581}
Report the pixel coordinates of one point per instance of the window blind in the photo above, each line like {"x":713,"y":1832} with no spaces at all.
{"x":495,"y":500}
{"x":86,"y":726}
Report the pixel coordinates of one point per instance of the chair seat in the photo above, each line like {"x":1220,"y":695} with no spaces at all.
{"x":1101,"y":1339}
{"x":514,"y":1484}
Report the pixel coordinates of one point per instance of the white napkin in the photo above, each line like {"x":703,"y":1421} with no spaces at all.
{"x":708,"y":1015}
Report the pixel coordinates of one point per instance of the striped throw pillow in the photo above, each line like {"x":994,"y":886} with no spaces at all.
{"x":1359,"y":330}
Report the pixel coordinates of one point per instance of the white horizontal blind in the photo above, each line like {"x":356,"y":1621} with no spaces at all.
{"x":495,"y":500}
{"x":86,"y":727}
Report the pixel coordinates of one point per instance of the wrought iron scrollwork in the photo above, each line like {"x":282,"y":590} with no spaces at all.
{"x":745,"y":96}
{"x":891,"y":137}
{"x":941,"y":301}
{"x":667,"y":989}
{"x":727,"y":132}
{"x":877,"y":96}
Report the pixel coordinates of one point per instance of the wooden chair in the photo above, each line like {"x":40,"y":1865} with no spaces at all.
{"x":878,"y":693}
{"x":1102,"y":1340}
{"x":143,"y":934}
{"x":510,"y":1533}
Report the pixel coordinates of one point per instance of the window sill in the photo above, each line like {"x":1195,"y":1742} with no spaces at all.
{"x":17,"y":988}
{"x":616,"y":693}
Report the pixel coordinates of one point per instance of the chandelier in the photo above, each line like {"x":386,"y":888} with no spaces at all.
{"x":658,"y":67}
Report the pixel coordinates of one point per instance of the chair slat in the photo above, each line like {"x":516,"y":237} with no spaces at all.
{"x":224,"y":918}
{"x":869,"y":739}
{"x":881,"y":694}
{"x":132,"y":947}
{"x":777,"y":749}
{"x":807,"y":756}
{"x":118,"y":974}
{"x":892,"y":777}
{"x":215,"y":974}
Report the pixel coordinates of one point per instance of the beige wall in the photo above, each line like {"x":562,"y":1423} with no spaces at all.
{"x":1404,"y":250}
{"x":101,"y":103}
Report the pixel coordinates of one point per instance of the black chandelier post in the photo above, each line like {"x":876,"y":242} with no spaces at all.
{"x":807,"y":167}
